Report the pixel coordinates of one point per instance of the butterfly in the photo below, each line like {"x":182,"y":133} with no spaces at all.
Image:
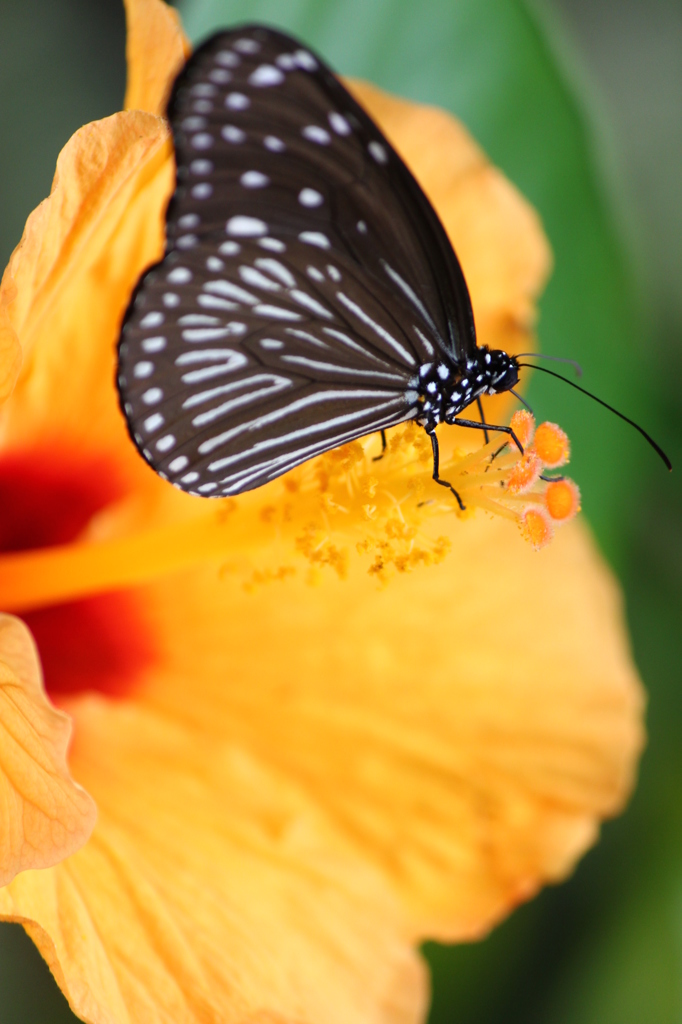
{"x":309,"y":294}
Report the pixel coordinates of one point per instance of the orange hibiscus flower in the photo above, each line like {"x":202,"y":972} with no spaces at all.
{"x":299,"y":773}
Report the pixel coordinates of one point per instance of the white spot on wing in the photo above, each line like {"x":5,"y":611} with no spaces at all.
{"x":305,"y":60}
{"x":220,"y":75}
{"x":273,"y":244}
{"x":247,"y":46}
{"x":202,"y":191}
{"x":193,"y":123}
{"x":274,"y":144}
{"x":153,"y":319}
{"x":310,"y":197}
{"x":246,"y":227}
{"x":339,"y":123}
{"x":254,"y":179}
{"x":153,"y":422}
{"x":152,"y":396}
{"x":189,"y":220}
{"x":154,"y":344}
{"x":286,"y":61}
{"x":271,"y":343}
{"x":227,"y":59}
{"x":237,"y":101}
{"x":230,"y":249}
{"x":164,"y":444}
{"x":314,"y":133}
{"x":203,"y":89}
{"x":266,"y":75}
{"x":178,"y":464}
{"x":202,"y":140}
{"x":143,"y":369}
{"x":378,"y":151}
{"x":231,"y":133}
{"x":179,"y":275}
{"x":201,"y":166}
{"x":315,"y":238}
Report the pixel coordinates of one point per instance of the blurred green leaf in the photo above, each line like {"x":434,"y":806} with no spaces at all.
{"x":28,"y":992}
{"x":490,"y":63}
{"x":55,"y":75}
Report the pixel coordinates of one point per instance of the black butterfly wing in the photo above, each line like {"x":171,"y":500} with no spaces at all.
{"x":276,"y":162}
{"x":280,"y":356}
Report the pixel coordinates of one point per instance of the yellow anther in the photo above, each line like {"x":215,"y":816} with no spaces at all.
{"x":551,"y":445}
{"x":524,"y":474}
{"x":536,"y":527}
{"x":562,"y":499}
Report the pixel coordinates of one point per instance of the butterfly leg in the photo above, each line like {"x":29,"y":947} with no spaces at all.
{"x":384,"y":444}
{"x":436,"y":473}
{"x":457,"y":422}
{"x":479,"y":403}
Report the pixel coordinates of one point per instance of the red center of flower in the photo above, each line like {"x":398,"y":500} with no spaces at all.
{"x":96,"y":643}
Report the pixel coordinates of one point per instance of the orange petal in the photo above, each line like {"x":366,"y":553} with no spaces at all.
{"x":10,"y":349}
{"x":469,"y":772}
{"x":82,"y":250}
{"x":311,"y":776}
{"x":156,"y":49}
{"x":214,"y":889}
{"x":45,"y":816}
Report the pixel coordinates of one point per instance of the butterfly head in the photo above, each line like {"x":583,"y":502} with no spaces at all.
{"x":487,"y":372}
{"x":500,"y":369}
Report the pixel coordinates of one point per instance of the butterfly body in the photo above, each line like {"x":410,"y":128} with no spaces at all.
{"x":445,"y":388}
{"x":309,"y":294}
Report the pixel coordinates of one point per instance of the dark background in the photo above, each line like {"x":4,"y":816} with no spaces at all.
{"x":580,"y":102}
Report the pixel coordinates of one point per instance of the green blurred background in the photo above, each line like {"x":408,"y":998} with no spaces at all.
{"x":580,"y":103}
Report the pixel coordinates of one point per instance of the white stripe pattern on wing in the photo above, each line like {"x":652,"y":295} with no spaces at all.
{"x":279,"y":464}
{"x":276,"y":385}
{"x":346,"y":371}
{"x":298,"y":405}
{"x":381,"y":331}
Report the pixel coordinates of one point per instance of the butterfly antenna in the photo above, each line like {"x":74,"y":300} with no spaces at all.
{"x":557,"y":359}
{"x":647,"y":437}
{"x":522,"y":401}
